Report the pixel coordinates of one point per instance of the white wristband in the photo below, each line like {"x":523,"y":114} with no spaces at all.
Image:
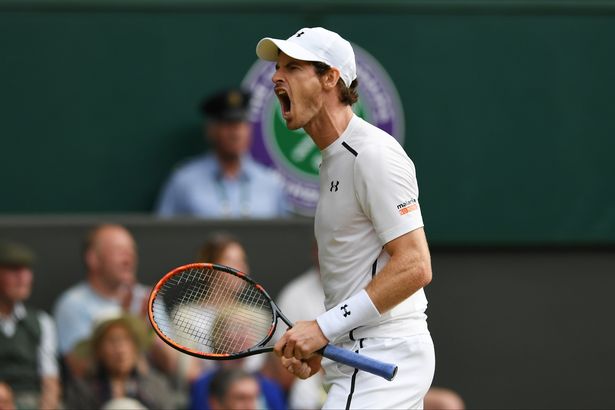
{"x":350,"y":314}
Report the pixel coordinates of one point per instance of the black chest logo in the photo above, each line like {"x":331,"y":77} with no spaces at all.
{"x":334,"y":186}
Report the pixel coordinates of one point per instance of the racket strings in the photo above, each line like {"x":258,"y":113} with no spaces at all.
{"x":212,"y":311}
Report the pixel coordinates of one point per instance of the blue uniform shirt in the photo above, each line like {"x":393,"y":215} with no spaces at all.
{"x":198,"y":188}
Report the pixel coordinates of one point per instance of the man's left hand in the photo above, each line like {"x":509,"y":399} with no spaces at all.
{"x":301,"y":341}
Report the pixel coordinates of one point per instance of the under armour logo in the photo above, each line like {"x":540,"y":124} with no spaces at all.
{"x":334,"y":185}
{"x":346,"y":312}
{"x":300,"y":34}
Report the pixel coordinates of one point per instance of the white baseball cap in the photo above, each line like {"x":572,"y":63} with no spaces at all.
{"x":313,"y":44}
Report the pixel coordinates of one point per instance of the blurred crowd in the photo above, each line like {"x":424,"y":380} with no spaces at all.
{"x":97,"y":349}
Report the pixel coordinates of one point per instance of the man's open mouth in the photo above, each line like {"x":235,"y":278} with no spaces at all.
{"x":284,"y":99}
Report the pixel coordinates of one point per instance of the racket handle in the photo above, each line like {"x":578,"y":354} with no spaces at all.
{"x":352,"y":359}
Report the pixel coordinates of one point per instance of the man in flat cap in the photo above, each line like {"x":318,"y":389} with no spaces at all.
{"x":225,"y":183}
{"x":27,"y":336}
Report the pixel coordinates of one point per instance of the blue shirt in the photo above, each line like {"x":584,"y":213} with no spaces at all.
{"x":200,"y":189}
{"x":271,"y":392}
{"x":79,"y":307}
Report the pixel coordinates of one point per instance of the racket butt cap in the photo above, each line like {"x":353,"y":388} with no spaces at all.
{"x":394,"y":373}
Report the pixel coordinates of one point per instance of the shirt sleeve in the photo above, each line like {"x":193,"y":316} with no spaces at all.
{"x":48,"y":348}
{"x":387,"y":190}
{"x":167,"y":202}
{"x":71,"y":327}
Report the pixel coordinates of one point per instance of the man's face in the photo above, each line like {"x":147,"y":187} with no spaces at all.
{"x":235,"y":257}
{"x":115,"y":257}
{"x":299,"y":90}
{"x":230,"y":139}
{"x":15,"y":283}
{"x":242,"y":394}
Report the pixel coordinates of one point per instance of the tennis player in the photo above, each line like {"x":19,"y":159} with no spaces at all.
{"x":373,"y":254}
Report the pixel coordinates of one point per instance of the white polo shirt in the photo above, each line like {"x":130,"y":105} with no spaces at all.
{"x":368,"y":197}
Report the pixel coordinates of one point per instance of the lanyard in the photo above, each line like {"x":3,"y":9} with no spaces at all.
{"x":244,"y":198}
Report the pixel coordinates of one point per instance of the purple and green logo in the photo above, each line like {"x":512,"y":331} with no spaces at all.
{"x":293,"y":153}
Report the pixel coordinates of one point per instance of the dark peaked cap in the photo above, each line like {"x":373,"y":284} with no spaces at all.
{"x":230,"y":104}
{"x":15,"y":254}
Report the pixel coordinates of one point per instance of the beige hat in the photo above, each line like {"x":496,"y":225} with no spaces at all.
{"x":137,"y":326}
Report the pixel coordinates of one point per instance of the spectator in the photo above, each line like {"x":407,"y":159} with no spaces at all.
{"x":6,"y":397}
{"x":28,"y":344}
{"x":118,"y":345}
{"x":439,"y":398}
{"x":226,"y":183}
{"x":234,"y":389}
{"x":110,"y":257}
{"x":225,"y":250}
{"x":270,"y":397}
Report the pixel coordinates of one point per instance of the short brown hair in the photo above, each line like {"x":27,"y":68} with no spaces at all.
{"x":214,"y":247}
{"x":348,"y":95}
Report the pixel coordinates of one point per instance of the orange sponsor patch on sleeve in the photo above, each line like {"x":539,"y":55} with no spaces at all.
{"x":408,"y":208}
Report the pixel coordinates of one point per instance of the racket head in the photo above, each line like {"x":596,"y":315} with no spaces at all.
{"x":212,"y":311}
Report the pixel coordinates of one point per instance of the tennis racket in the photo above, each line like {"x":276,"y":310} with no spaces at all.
{"x":216,"y":312}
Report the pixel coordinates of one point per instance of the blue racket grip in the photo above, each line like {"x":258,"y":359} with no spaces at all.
{"x":352,"y":359}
